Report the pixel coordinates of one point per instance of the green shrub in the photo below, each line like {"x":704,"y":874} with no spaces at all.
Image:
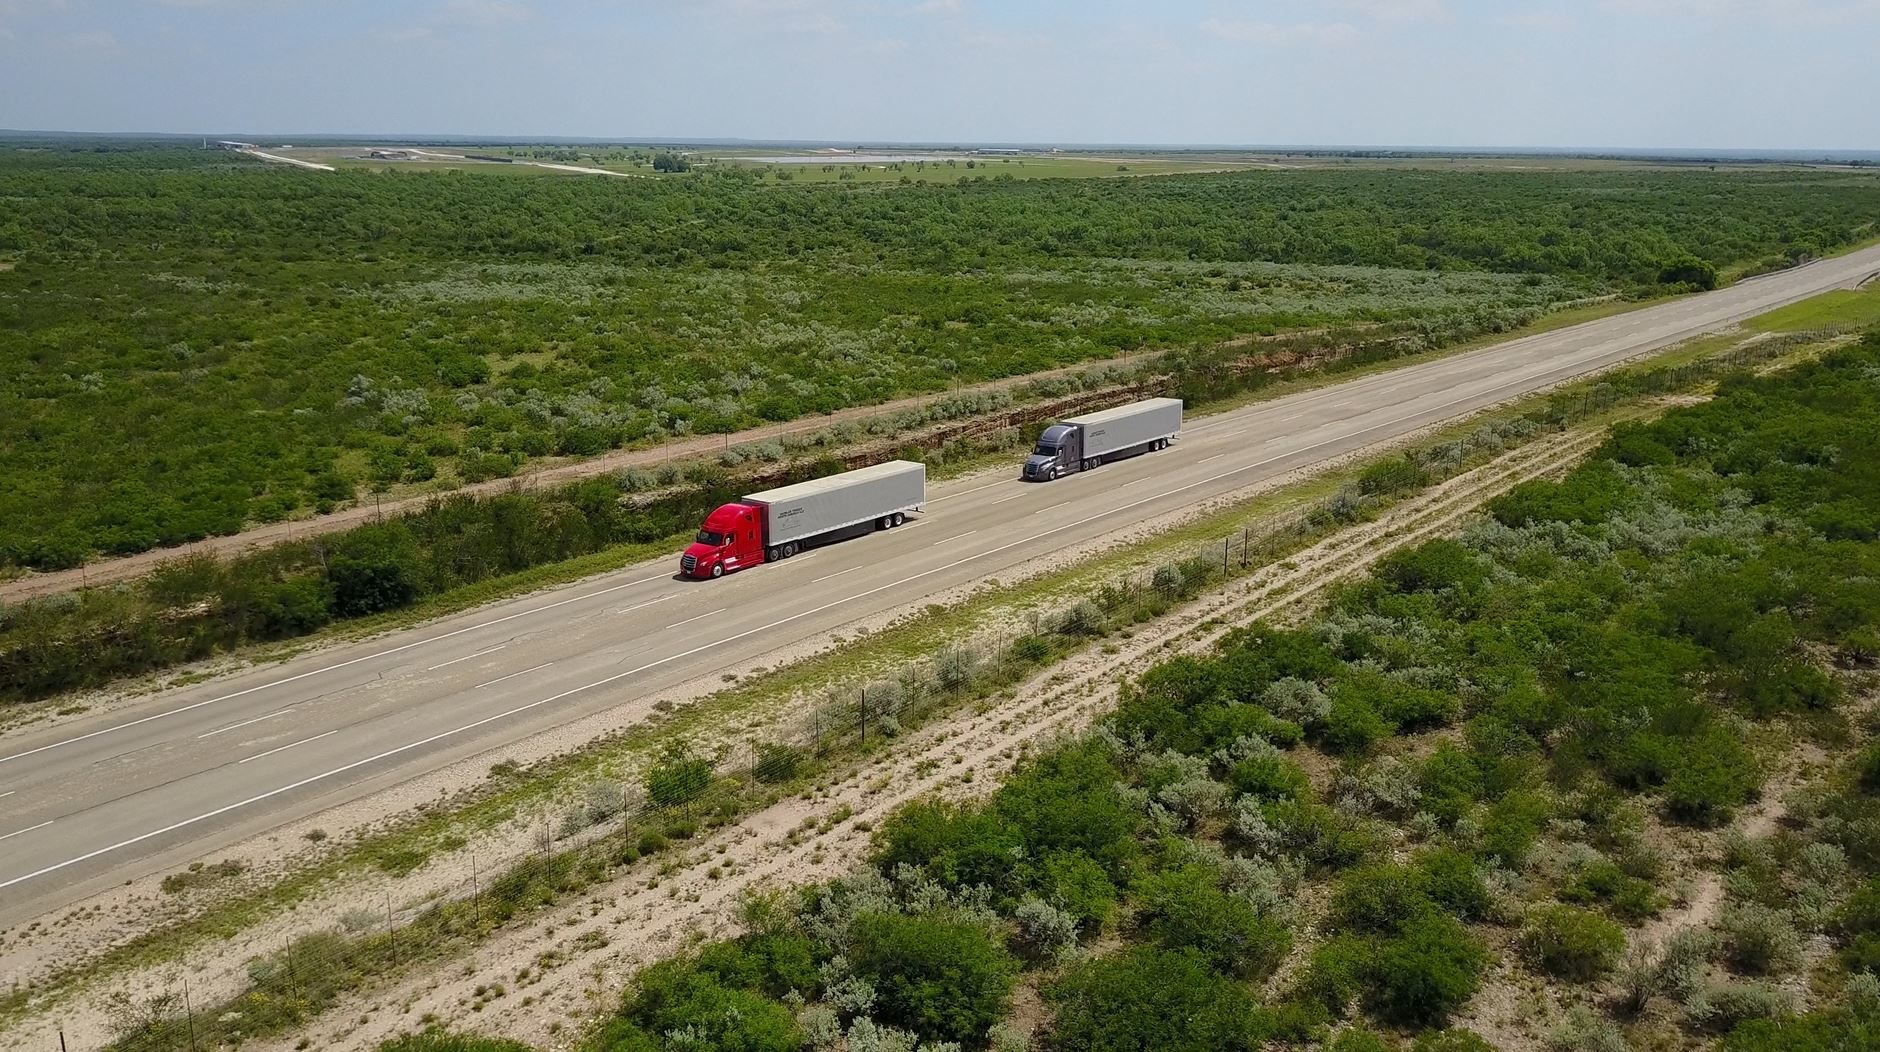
{"x":1187,"y":909}
{"x":1759,"y":940}
{"x":944,"y":980}
{"x":679,"y":777}
{"x":1867,"y":768}
{"x":1360,"y":1039}
{"x":1068,"y":800}
{"x":776,"y":763}
{"x":1711,"y":775}
{"x":1511,"y":826}
{"x":1392,"y":476}
{"x":675,"y":995}
{"x":1571,"y":943}
{"x":1602,"y":881}
{"x":1353,"y":725}
{"x":1151,"y":1000}
{"x":1380,"y":899}
{"x":1857,"y":926}
{"x":1424,"y":975}
{"x":1075,"y":883}
{"x":1829,"y":1030}
{"x":1456,"y":1039}
{"x":1433,"y":566}
{"x":959,"y":844}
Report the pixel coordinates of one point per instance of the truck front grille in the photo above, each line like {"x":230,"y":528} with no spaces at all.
{"x":688,"y":563}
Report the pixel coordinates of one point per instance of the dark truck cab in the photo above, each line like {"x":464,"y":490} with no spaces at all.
{"x":1083,"y":442}
{"x":1060,"y":451}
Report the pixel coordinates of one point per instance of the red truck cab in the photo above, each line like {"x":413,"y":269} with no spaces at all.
{"x":731,"y":538}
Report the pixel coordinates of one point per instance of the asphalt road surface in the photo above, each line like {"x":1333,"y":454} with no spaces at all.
{"x":100,"y":799}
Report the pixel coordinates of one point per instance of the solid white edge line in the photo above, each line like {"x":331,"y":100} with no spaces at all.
{"x":328,"y":668}
{"x":512,"y":675}
{"x":675,"y":657}
{"x":290,"y":787}
{"x":838,"y":573}
{"x":244,"y":723}
{"x":290,"y":745}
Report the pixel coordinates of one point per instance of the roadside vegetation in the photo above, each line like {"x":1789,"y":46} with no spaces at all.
{"x":676,"y":796}
{"x":194,"y":343}
{"x":1487,"y":771}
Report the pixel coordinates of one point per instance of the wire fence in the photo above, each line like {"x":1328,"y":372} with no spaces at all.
{"x":611,"y":825}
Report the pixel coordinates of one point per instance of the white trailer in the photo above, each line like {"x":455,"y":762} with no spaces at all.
{"x":794,"y":514}
{"x":1128,"y":426}
{"x":1083,"y":442}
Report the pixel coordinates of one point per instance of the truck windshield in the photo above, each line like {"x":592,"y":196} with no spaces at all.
{"x":1047,"y":449}
{"x":708,"y":537}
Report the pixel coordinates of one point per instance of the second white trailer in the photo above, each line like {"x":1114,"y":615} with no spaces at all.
{"x":1083,"y":442}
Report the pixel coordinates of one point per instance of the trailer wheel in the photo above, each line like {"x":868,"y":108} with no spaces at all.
{"x":884,"y":523}
{"x":718,"y":570}
{"x":789,"y":549}
{"x":896,"y":520}
{"x":771,"y":555}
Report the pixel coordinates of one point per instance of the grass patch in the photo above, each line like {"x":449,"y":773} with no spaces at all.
{"x":1841,"y":308}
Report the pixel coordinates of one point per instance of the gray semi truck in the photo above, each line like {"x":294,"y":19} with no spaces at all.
{"x":1083,"y":442}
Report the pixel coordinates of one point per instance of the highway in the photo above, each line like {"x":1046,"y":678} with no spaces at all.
{"x":91,"y":801}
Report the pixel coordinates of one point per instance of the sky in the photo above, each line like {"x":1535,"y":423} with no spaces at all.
{"x":1756,"y":74}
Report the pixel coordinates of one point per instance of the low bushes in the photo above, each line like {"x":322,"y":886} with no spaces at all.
{"x":1571,"y":943}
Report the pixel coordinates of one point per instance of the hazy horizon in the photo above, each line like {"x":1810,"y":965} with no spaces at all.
{"x":1645,"y":75}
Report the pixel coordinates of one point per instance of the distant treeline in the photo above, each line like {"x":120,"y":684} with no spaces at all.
{"x":1625,"y":226}
{"x":192,"y":342}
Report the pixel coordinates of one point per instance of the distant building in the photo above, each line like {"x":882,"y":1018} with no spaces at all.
{"x":231,"y":144}
{"x":999,"y":152}
{"x":393,"y":155}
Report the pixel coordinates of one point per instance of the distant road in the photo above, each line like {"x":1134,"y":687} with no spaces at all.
{"x":264,"y":155}
{"x":103,"y":798}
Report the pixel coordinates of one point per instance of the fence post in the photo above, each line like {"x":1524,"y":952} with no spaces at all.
{"x":391,"y":932}
{"x":861,"y":707}
{"x":189,"y":1015}
{"x":1246,"y":544}
{"x":293,"y":977}
{"x":1226,"y":543}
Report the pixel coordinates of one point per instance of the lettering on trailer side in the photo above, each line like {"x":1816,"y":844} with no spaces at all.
{"x":787,"y":514}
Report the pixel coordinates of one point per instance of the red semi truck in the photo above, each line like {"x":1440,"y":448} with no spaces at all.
{"x":778,"y":523}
